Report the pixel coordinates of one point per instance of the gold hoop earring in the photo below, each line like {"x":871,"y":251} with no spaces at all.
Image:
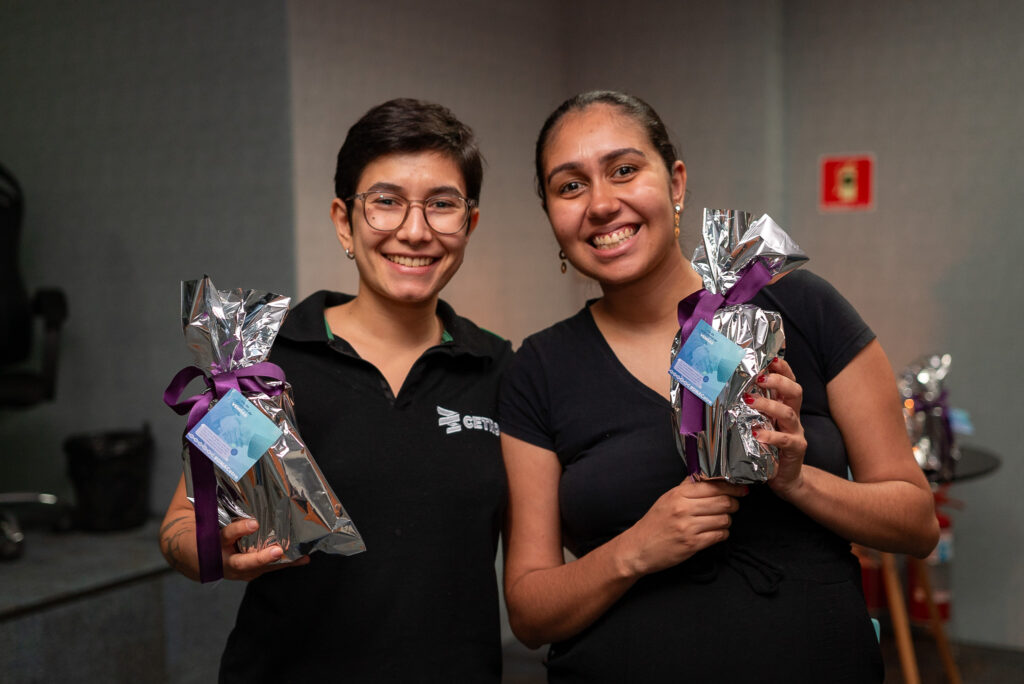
{"x":561,"y":255}
{"x":678,"y":209}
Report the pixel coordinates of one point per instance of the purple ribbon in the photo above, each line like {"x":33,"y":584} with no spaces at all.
{"x":701,"y":306}
{"x":204,"y":481}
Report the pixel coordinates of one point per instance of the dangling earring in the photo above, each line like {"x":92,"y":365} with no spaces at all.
{"x":678,"y":209}
{"x":561,"y":255}
{"x":349,"y":254}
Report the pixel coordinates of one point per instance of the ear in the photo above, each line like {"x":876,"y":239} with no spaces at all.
{"x":473,"y":218}
{"x":678,"y":182}
{"x":342,"y":226}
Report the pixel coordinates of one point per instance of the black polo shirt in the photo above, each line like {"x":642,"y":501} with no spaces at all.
{"x":422,"y":478}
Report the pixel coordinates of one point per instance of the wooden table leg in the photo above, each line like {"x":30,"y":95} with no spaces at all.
{"x":900,"y":621}
{"x":920,"y":570}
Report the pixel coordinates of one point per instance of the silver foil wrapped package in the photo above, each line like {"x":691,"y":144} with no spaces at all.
{"x":927,"y":414}
{"x":230,"y":333}
{"x":737,"y":257}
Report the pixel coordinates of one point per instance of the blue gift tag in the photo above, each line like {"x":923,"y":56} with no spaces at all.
{"x":234,"y":434}
{"x":706,"y":362}
{"x":960,"y":421}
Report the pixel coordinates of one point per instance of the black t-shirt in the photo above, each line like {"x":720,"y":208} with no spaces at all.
{"x":567,"y":392}
{"x":421,"y":476}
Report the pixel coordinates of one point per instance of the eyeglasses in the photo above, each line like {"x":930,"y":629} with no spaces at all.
{"x":386,"y":211}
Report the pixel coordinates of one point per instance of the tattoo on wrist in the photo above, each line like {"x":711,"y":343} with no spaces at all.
{"x":170,"y":541}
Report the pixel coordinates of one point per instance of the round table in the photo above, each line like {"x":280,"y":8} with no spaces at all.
{"x":974,"y":462}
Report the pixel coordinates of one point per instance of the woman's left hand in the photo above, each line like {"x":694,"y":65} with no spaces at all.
{"x":784,"y":412}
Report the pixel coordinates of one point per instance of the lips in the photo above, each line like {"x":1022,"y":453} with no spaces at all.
{"x":614,"y":238}
{"x":409,"y":261}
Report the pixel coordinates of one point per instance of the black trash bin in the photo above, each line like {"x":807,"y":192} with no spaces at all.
{"x":110,"y":473}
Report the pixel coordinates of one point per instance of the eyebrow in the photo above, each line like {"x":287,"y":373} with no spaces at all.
{"x":568,"y":166}
{"x":398,"y":190}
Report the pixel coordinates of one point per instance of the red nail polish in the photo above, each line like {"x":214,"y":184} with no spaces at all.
{"x":754,"y":433}
{"x":760,"y":378}
{"x":748,"y":399}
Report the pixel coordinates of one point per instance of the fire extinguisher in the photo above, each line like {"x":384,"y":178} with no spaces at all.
{"x":939,"y":564}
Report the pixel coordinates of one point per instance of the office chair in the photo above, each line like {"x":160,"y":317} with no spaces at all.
{"x":22,"y":385}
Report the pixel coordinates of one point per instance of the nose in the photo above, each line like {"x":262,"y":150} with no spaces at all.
{"x":415,"y":228}
{"x":604,"y":203}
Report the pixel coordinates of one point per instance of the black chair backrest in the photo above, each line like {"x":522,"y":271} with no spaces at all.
{"x":15,"y":308}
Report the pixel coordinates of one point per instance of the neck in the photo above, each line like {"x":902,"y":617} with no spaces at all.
{"x":404,"y":324}
{"x":651,"y":300}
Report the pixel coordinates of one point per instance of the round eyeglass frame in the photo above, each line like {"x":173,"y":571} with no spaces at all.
{"x":470,"y":205}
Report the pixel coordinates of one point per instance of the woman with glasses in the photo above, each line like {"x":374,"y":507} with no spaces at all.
{"x":676,"y":580}
{"x":395,"y":395}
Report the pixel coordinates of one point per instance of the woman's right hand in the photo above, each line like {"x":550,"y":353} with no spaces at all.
{"x":685,"y":519}
{"x":178,"y":543}
{"x":249,"y":565}
{"x":549,"y":599}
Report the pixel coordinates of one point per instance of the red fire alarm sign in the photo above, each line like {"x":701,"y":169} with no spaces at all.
{"x":847,"y":183}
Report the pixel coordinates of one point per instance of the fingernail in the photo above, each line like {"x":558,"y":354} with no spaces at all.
{"x":760,"y":378}
{"x":753,"y":433}
{"x":251,"y":525}
{"x":748,"y":399}
{"x":775,"y":359}
{"x":276,"y":552}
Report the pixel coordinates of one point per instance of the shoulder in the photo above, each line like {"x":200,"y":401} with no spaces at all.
{"x":305,"y":320}
{"x":551,"y":355}
{"x":471,"y":338}
{"x":563,"y":335}
{"x":808,"y":299}
{"x":543,"y":364}
{"x":815,"y":310}
{"x":805,"y":287}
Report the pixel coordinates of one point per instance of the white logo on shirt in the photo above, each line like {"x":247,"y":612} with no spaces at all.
{"x":452,"y":421}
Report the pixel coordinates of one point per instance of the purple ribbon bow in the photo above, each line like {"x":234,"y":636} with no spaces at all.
{"x":204,"y":482}
{"x":701,"y":306}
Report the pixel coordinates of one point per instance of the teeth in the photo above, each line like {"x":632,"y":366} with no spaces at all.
{"x":409,"y":261}
{"x":614,"y":238}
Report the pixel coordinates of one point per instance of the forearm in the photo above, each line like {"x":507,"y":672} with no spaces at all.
{"x":553,"y":604}
{"x":178,"y":544}
{"x":890,"y":515}
{"x":178,"y":534}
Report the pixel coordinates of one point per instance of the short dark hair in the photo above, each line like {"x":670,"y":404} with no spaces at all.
{"x":630,"y":105}
{"x":406,"y":125}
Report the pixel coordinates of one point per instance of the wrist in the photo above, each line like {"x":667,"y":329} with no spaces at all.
{"x":626,"y":561}
{"x":789,"y":490}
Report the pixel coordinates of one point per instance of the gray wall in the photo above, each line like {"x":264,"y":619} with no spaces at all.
{"x":934,"y":90}
{"x":153,"y":143}
{"x":712,"y":71}
{"x":157,"y":144}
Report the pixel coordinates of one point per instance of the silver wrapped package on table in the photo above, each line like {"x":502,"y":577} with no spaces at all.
{"x":230,"y":332}
{"x":737,"y":257}
{"x":927,"y":413}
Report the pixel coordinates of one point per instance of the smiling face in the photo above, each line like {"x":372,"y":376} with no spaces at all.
{"x":413,"y":263}
{"x":609,"y":196}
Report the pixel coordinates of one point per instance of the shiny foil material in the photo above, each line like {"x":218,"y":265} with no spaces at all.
{"x":925,"y":410}
{"x":285,"y":490}
{"x":726,"y":448}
